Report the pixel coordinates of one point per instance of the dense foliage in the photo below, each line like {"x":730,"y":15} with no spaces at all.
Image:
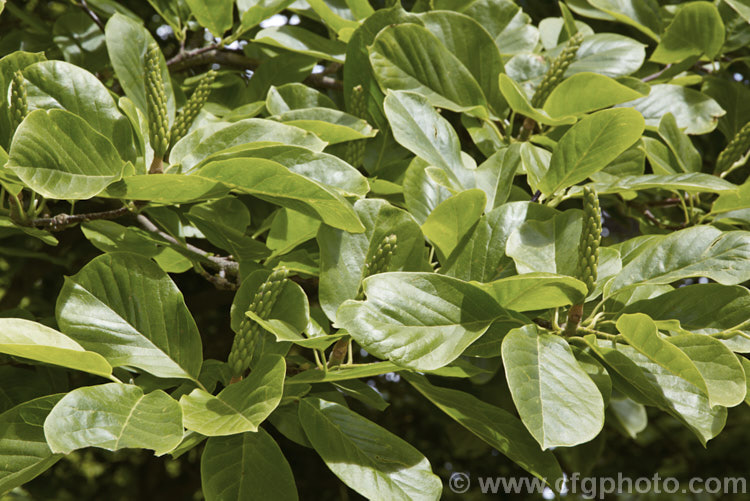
{"x":325,"y":249}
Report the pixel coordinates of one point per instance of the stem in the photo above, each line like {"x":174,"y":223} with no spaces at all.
{"x":156,"y":166}
{"x":62,"y":221}
{"x":85,"y":6}
{"x":574,"y":318}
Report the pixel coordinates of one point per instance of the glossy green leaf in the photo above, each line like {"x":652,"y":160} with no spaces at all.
{"x":24,"y":453}
{"x":520,"y":103}
{"x":586,"y":92}
{"x":694,"y":111}
{"x":240,"y":407}
{"x":700,"y":251}
{"x":589,"y":146}
{"x":126,"y":308}
{"x":557,"y":400}
{"x":297,"y":39}
{"x":608,"y":54}
{"x":536,"y":291}
{"x":696,"y":30}
{"x":492,"y":424}
{"x":27,"y":339}
{"x":331,"y":126}
{"x":59,"y":155}
{"x":421,"y":321}
{"x":114,"y":416}
{"x":273,"y":182}
{"x":366,"y":457}
{"x":215,"y":15}
{"x":166,"y":188}
{"x":453,"y":218}
{"x":549,"y":245}
{"x":343,"y":255}
{"x":694,"y":182}
{"x":246,"y":466}
{"x":641,"y":14}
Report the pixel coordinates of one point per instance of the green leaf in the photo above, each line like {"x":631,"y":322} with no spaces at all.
{"x":696,"y":30}
{"x":641,"y":14}
{"x":650,"y":384}
{"x":59,"y":155}
{"x":549,"y":245}
{"x":114,"y":416}
{"x":166,"y":189}
{"x":240,"y":407}
{"x":271,"y":181}
{"x":520,"y":103}
{"x":687,"y":157}
{"x":408,"y":57}
{"x":295,"y":96}
{"x":366,"y":457}
{"x":452,"y":219}
{"x":300,"y":40}
{"x":174,"y":12}
{"x":126,"y":308}
{"x":422,"y":130}
{"x":344,"y":373}
{"x":57,"y":84}
{"x":497,"y":427}
{"x":24,"y":453}
{"x":589,"y":146}
{"x":343,"y":255}
{"x":421,"y":321}
{"x":481,"y":256}
{"x":127,"y":42}
{"x":694,"y":182}
{"x":700,"y":251}
{"x":192,"y":149}
{"x":557,"y":400}
{"x":216,"y":15}
{"x":331,"y":126}
{"x":642,"y":334}
{"x":608,"y":54}
{"x":338,"y":18}
{"x":246,"y":466}
{"x":586,"y":92}
{"x":536,"y":291}
{"x":695,"y":112}
{"x":27,"y":339}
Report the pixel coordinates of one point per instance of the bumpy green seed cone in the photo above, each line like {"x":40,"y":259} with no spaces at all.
{"x":591,"y":236}
{"x":157,"y":103}
{"x":18,"y":105}
{"x":262,"y":304}
{"x":556,"y":71}
{"x":355,"y":150}
{"x":737,"y":147}
{"x":186,"y":117}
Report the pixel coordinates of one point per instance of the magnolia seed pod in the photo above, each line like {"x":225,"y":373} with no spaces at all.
{"x":156,"y":98}
{"x":591,"y":236}
{"x":186,"y":117}
{"x":245,"y":340}
{"x":355,"y":150}
{"x":18,"y":104}
{"x":381,"y":259}
{"x":556,"y":71}
{"x":736,"y":148}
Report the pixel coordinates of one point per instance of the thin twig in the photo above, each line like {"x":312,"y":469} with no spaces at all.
{"x":62,"y":221}
{"x":222,"y":264}
{"x":189,"y":54}
{"x":94,"y":17}
{"x":656,"y":75}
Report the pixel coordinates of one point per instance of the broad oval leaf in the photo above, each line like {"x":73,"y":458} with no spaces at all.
{"x":24,"y":452}
{"x":590,"y":145}
{"x":32,"y":340}
{"x":240,"y":407}
{"x":536,"y":291}
{"x":366,"y":457}
{"x":586,"y":92}
{"x":59,"y":155}
{"x":557,"y":400}
{"x":114,"y":416}
{"x":452,"y":219}
{"x":422,"y":321}
{"x":246,"y":466}
{"x":519,"y":102}
{"x":126,"y":308}
{"x":696,"y":30}
{"x":216,"y":15}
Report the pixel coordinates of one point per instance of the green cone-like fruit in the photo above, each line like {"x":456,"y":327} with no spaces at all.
{"x":157,"y":103}
{"x":381,"y":260}
{"x":591,"y":237}
{"x":18,"y":105}
{"x":262,"y":304}
{"x":186,"y":117}
{"x":737,"y":147}
{"x":556,"y":71}
{"x":355,"y":150}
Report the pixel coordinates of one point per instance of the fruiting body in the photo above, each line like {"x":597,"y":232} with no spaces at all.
{"x":186,"y":117}
{"x":736,"y":148}
{"x":381,"y":259}
{"x":355,"y":150}
{"x":158,"y":118}
{"x":265,"y":297}
{"x":591,"y":237}
{"x":556,"y":71}
{"x":18,"y":104}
